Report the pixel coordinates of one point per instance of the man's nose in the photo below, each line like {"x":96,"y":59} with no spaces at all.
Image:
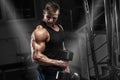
{"x":51,"y":20}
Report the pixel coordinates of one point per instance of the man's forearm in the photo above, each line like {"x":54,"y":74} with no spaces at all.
{"x":60,"y":63}
{"x":44,"y":59}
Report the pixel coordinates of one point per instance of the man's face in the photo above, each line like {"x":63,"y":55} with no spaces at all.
{"x":51,"y":18}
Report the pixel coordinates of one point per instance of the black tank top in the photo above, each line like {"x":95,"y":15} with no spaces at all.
{"x":56,"y":38}
{"x":54,"y":46}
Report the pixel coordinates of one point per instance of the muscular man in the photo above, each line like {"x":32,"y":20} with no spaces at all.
{"x":48,"y":38}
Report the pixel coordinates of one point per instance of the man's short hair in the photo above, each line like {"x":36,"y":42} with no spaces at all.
{"x":51,"y":7}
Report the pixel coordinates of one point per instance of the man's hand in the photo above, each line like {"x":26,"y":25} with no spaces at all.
{"x":67,"y":69}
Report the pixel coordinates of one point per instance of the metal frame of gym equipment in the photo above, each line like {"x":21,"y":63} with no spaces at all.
{"x":111,"y":21}
{"x":90,"y":37}
{"x":112,"y":34}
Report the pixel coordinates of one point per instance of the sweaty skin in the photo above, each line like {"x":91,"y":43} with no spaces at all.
{"x":38,"y":43}
{"x":40,"y":37}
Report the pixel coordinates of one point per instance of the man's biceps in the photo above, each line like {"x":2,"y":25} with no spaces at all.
{"x":35,"y":47}
{"x":33,"y":44}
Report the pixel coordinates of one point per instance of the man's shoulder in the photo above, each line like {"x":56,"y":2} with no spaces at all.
{"x":40,"y":32}
{"x":39,"y":27}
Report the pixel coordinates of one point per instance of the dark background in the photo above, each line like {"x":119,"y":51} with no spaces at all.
{"x":18,"y":18}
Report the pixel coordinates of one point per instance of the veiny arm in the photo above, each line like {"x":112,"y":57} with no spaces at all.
{"x":39,"y":37}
